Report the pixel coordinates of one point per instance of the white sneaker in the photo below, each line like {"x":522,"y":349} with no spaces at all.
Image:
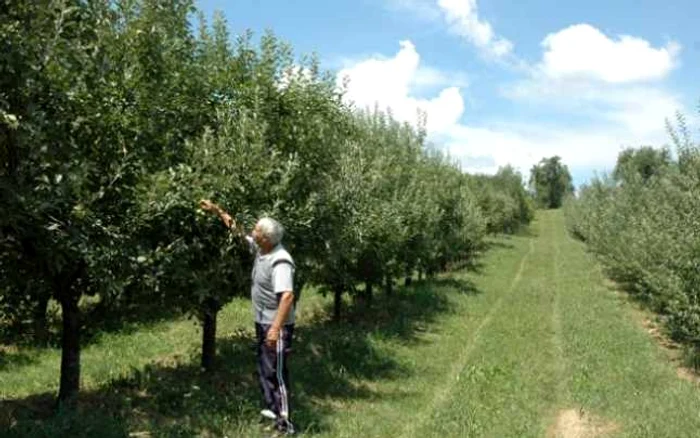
{"x":268,"y":414}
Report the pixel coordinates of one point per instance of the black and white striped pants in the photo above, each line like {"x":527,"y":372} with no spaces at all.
{"x":273,"y":372}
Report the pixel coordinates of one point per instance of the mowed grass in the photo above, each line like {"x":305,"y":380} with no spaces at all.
{"x":533,"y":343}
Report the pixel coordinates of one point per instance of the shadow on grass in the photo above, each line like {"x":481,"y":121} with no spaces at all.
{"x":526,"y":231}
{"x":331,"y":363}
{"x":473,"y":264}
{"x":498,"y":243}
{"x":14,"y":357}
{"x":97,"y":321}
{"x":461,"y":285}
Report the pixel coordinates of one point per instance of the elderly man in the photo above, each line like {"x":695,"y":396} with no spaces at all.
{"x":272,"y":294}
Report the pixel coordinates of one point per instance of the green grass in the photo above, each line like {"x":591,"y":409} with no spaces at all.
{"x":500,"y":352}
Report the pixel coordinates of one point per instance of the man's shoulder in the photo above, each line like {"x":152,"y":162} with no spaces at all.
{"x":281,"y":255}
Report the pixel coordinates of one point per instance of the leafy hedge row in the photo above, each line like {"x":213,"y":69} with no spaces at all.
{"x":116,"y":118}
{"x":644,"y":225}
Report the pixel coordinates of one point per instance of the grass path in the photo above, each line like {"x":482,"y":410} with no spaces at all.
{"x":544,"y":348}
{"x":453,"y":378}
{"x":532,"y":344}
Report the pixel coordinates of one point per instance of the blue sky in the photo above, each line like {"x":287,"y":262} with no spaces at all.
{"x":505,"y":84}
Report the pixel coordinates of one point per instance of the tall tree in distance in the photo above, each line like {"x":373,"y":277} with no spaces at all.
{"x":645,"y":163}
{"x":550,"y":182}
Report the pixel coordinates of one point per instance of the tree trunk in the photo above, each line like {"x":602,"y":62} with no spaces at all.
{"x":41,"y":330}
{"x":209,"y":317}
{"x":11,"y":157}
{"x":209,"y":339}
{"x":420,"y":274}
{"x":368,"y":293}
{"x":70,"y":350}
{"x":337,"y":301}
{"x":389,"y":285}
{"x":407,"y":281}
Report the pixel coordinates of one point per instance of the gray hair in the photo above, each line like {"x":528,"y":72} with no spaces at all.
{"x":271,"y":229}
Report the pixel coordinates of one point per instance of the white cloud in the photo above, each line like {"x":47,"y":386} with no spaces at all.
{"x":607,"y":119}
{"x":389,"y":83}
{"x":592,"y":80}
{"x":428,"y":77}
{"x":639,"y":110}
{"x":463,"y":18}
{"x":642,"y":111}
{"x":582,"y":51}
{"x":584,"y":120}
{"x":523,"y":146}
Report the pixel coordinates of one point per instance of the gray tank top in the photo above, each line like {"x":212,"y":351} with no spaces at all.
{"x":264,"y":296}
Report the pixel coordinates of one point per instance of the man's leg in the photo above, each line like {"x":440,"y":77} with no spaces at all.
{"x":266,"y":368}
{"x":284,"y":345}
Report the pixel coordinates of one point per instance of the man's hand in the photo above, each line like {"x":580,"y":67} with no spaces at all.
{"x":273,"y":334}
{"x":285,"y":306}
{"x":207,"y":205}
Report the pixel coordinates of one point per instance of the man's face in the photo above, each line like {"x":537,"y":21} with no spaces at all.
{"x":258,"y":236}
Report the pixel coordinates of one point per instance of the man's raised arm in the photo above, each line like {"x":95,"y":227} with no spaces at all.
{"x":226,"y":218}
